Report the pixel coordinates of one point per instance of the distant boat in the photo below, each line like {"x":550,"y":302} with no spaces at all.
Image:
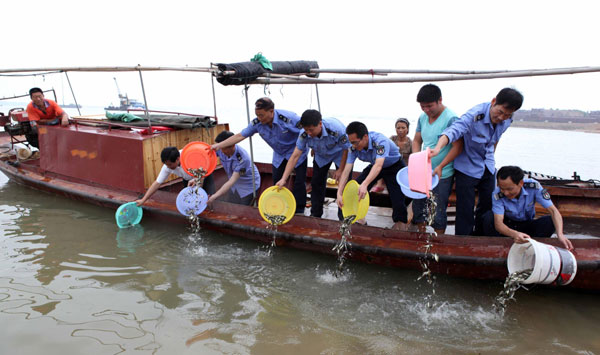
{"x":124,"y":102}
{"x":70,"y":106}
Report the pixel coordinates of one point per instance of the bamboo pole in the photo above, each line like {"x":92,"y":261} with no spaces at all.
{"x":403,"y":71}
{"x":145,"y":103}
{"x":72,"y":93}
{"x":26,"y":95}
{"x":106,"y":69}
{"x":452,"y":75}
{"x":374,"y":80}
{"x":251,"y":146}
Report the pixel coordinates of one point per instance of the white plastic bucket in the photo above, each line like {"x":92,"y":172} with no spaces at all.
{"x":549,"y":263}
{"x":568,"y":267}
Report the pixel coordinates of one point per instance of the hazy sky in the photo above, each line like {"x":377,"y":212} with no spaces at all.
{"x":472,"y":35}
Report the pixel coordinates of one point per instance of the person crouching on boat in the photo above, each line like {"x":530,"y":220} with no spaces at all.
{"x":328,"y":140}
{"x":513,"y":209}
{"x":279,"y":129}
{"x":45,"y":112}
{"x":384,"y":161}
{"x":237,"y":164}
{"x":170,"y":157}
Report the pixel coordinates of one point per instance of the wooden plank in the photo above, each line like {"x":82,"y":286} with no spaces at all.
{"x":153,"y":146}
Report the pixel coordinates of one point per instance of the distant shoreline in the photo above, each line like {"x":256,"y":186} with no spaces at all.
{"x":578,"y":127}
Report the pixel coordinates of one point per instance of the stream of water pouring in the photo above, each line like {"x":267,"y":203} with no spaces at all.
{"x":430,"y":208}
{"x":512,"y":283}
{"x":342,"y":248}
{"x":274,"y":221}
{"x":198,"y":175}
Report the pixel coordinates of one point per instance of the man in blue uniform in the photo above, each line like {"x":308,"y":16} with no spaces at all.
{"x":280,"y":129}
{"x":513,"y":209}
{"x":480,"y":128}
{"x":328,"y":140}
{"x":384,"y":161}
{"x":239,"y":168}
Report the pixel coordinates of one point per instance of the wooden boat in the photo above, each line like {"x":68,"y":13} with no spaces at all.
{"x":574,"y":198}
{"x":102,"y":165}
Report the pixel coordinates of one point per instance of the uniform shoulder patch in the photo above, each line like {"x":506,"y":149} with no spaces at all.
{"x":304,"y":135}
{"x":283,"y":118}
{"x":352,"y":149}
{"x":243,"y":171}
{"x":479,"y":117}
{"x":531,"y":185}
{"x":239,"y":157}
{"x":255,"y":121}
{"x":344,"y":139}
{"x":380,"y":149}
{"x":545,"y":194}
{"x":299,"y":125}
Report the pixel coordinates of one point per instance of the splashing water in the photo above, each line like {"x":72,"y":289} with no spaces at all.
{"x":198,"y":175}
{"x":430,"y":209}
{"x":274,"y":221}
{"x":512,"y":283}
{"x":341,"y":248}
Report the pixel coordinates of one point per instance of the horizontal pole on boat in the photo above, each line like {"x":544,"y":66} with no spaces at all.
{"x":449,"y":75}
{"x":168,"y":112}
{"x":403,"y":71}
{"x":25,"y":95}
{"x":106,"y":69}
{"x":413,"y":79}
{"x":34,"y":74}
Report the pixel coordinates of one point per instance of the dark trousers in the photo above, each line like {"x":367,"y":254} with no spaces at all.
{"x":389,"y":176}
{"x":32,"y":139}
{"x":319,"y":187}
{"x":299,"y":189}
{"x":233,"y":197}
{"x":542,"y":227}
{"x":465,"y":201}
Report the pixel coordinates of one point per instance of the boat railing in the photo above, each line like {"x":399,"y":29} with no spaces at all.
{"x":171,"y":113}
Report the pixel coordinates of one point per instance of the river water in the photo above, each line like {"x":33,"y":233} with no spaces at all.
{"x":71,"y":282}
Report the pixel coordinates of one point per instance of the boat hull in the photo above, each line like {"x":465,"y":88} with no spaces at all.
{"x":469,"y":257}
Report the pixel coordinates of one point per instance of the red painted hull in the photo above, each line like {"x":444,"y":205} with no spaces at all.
{"x":470,"y":257}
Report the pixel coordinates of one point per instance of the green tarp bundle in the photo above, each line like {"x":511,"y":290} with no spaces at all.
{"x":176,"y":121}
{"x":123,"y":117}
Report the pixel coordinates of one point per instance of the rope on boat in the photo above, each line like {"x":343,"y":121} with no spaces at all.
{"x":595,"y":182}
{"x":534,"y":175}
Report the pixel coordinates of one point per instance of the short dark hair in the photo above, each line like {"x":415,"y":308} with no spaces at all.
{"x":264,"y":103}
{"x":357,"y":128}
{"x":515,"y":173}
{"x":403,"y":120}
{"x":169,"y":154}
{"x":509,"y":98}
{"x":310,"y":118}
{"x":429,"y":93}
{"x":34,"y":90}
{"x":223,"y":136}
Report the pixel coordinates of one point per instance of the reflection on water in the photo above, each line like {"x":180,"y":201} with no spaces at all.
{"x":73,"y":282}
